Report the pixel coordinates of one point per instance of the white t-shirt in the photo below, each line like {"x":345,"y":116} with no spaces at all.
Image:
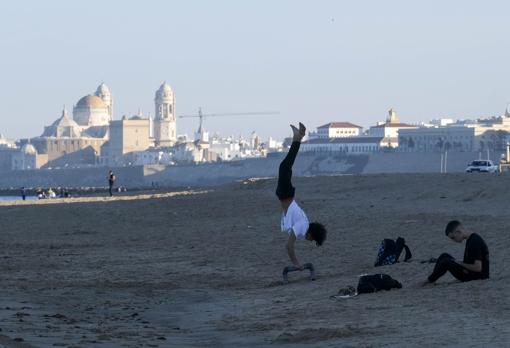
{"x":295,"y":220}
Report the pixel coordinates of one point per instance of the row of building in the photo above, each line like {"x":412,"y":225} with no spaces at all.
{"x":91,"y":137}
{"x":392,"y":135}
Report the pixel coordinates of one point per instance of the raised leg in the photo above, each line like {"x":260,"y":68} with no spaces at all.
{"x":285,"y":189}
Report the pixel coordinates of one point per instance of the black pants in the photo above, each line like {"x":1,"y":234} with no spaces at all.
{"x":110,"y":184}
{"x":446,"y":263}
{"x":285,"y":189}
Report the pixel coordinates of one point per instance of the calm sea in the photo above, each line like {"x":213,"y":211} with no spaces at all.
{"x":15,"y":198}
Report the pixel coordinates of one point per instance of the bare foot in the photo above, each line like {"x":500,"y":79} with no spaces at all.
{"x":302,"y":130}
{"x":298,"y":134}
{"x":295,"y":131}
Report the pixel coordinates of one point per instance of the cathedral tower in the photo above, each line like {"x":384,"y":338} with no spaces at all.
{"x":164,"y":119}
{"x":103,"y":92}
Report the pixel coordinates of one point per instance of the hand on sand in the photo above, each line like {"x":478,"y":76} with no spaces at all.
{"x":299,"y":267}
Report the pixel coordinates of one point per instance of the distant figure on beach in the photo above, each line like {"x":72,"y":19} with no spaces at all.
{"x":111,"y":181}
{"x":476,"y":256}
{"x":23,"y":193}
{"x":294,"y":220}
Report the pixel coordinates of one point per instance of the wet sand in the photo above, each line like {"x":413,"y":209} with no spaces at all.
{"x":204,"y":268}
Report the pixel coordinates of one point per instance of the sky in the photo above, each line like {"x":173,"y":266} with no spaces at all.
{"x":312,"y":61}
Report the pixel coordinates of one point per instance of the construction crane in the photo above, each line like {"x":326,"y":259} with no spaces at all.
{"x":202,"y":116}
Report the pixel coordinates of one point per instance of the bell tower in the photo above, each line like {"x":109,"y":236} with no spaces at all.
{"x":164,"y":119}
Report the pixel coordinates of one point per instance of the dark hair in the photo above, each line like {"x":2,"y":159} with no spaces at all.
{"x":452,"y":225}
{"x":318,"y":232}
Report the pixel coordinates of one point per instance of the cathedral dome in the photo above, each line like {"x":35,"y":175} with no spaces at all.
{"x":91,"y":111}
{"x":91,"y":101}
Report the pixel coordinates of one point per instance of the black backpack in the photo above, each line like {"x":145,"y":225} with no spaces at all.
{"x":390,"y":250}
{"x":375,"y":282}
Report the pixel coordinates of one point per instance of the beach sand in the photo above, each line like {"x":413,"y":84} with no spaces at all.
{"x":203,"y":268}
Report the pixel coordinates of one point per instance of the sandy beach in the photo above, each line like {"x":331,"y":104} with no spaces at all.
{"x":203,"y":268}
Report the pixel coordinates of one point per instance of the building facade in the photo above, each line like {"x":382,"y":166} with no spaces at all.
{"x":336,"y":130}
{"x":27,"y":158}
{"x":127,"y":136}
{"x":389,"y":130}
{"x":478,"y":136}
{"x":6,"y":143}
{"x":352,"y":145}
{"x":80,"y":139}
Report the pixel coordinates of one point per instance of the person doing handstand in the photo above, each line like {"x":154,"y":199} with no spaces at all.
{"x":476,"y":256}
{"x":294,"y":220}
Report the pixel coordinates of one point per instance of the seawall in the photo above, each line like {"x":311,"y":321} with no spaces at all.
{"x":219,"y":173}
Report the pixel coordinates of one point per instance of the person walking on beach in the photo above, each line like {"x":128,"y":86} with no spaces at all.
{"x":476,"y":256}
{"x":111,"y":181}
{"x":294,"y":220}
{"x":23,"y":193}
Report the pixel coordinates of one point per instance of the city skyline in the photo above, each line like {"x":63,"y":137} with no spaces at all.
{"x":321,"y":62}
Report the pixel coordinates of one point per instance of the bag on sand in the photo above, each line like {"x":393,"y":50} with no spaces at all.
{"x":376,"y":282}
{"x":390,"y":250}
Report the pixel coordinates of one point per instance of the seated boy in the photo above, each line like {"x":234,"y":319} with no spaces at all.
{"x":294,"y":220}
{"x":476,"y":256}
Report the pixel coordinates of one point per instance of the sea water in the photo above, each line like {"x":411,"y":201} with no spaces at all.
{"x":15,"y":198}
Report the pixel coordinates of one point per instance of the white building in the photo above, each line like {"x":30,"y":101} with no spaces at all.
{"x":389,"y":130}
{"x":195,"y":152}
{"x":7,"y":143}
{"x":254,"y":141}
{"x":25,"y":159}
{"x":336,"y":130}
{"x":165,"y":132}
{"x":226,"y":151}
{"x":466,"y":136}
{"x":150,"y":157}
{"x":430,"y":139}
{"x":274,"y":145}
{"x":353,"y":145}
{"x":441,"y":122}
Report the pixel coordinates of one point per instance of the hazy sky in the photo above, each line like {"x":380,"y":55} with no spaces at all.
{"x":315,"y":61}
